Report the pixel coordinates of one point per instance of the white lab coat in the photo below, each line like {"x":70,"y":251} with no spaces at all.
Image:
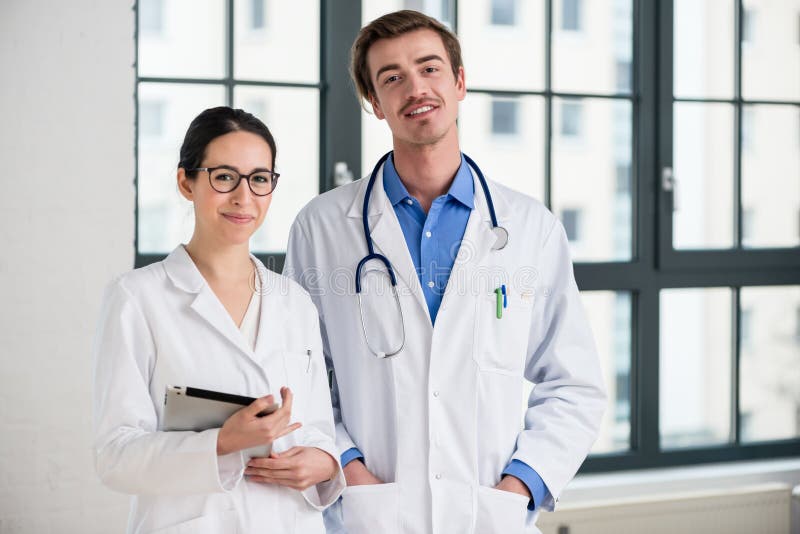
{"x":162,"y":325}
{"x":441,"y":420}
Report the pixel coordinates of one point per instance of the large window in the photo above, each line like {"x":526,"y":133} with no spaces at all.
{"x":195,"y":54}
{"x":665,"y":135}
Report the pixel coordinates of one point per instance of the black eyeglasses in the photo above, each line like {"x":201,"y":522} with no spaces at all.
{"x":224,"y":180}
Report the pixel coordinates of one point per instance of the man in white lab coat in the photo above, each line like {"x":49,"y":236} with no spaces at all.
{"x":436,"y":438}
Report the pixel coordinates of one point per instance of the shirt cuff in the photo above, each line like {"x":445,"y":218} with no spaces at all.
{"x":353,"y":454}
{"x":530,"y":478}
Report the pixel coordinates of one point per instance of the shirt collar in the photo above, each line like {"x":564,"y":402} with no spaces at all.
{"x":462,"y":189}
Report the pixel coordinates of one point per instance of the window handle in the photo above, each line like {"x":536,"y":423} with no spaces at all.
{"x":341,"y":174}
{"x":670,"y":185}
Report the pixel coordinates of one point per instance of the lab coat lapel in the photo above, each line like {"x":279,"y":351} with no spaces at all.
{"x":208,"y":306}
{"x":185,"y":276}
{"x":273,"y":318}
{"x":387,"y":236}
{"x":477,"y":242}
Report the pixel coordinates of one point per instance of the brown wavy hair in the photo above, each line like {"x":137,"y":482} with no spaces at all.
{"x":394,"y":25}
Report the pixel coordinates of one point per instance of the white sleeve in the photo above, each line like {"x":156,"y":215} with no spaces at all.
{"x":131,"y":455}
{"x":567,"y":403}
{"x":300,"y":267}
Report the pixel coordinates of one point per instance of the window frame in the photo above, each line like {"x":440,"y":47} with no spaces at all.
{"x":653,"y":265}
{"x":336,"y":103}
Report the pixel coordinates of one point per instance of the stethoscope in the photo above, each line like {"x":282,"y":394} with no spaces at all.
{"x":501,"y":235}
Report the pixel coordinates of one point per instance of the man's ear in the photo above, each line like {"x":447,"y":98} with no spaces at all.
{"x":376,"y":106}
{"x":185,"y":184}
{"x":461,"y":84}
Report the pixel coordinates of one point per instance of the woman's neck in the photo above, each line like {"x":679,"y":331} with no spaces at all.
{"x":226,"y":264}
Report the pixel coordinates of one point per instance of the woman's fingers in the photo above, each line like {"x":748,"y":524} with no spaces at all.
{"x":259,"y":405}
{"x":287,"y":453}
{"x":289,"y":429}
{"x":286,"y":399}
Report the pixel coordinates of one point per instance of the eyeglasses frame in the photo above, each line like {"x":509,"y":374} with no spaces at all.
{"x":275,"y":176}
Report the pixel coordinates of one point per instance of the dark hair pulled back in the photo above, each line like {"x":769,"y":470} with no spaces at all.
{"x":213,"y":123}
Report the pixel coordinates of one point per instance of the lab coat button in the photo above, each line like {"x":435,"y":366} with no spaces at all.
{"x":438,"y":476}
{"x":435,"y":393}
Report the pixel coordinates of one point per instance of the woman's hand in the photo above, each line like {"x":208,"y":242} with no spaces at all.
{"x":245,"y":429}
{"x":298,"y":468}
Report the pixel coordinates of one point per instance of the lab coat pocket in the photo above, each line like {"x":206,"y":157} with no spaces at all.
{"x":500,"y":511}
{"x":308,"y":520}
{"x":371,"y":508}
{"x":501,"y":339}
{"x":298,"y":379}
{"x":212,"y":523}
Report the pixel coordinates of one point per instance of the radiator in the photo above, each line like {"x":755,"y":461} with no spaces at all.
{"x":757,"y":509}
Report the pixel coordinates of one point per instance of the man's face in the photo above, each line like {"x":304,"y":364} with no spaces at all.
{"x":415,"y":90}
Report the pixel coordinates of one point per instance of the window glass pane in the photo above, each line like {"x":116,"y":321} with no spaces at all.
{"x":609,"y":313}
{"x":591,"y":39}
{"x":695,"y":367}
{"x":280,"y":46}
{"x":769,"y":378}
{"x":571,"y":15}
{"x":151,"y":17}
{"x":504,"y":12}
{"x":770,"y":51}
{"x":591,"y":149}
{"x":505,"y":115}
{"x":771,"y":176}
{"x":165,"y":111}
{"x":441,"y":10}
{"x":282,"y":110}
{"x":376,"y":138}
{"x":191,"y":42}
{"x":487,"y":47}
{"x":703,"y":140}
{"x":703,"y":48}
{"x":513,"y":159}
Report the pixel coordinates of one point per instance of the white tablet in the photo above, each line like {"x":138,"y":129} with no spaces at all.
{"x":196,"y":409}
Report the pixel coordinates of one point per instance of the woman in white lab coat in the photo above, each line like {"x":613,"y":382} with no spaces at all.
{"x":211,"y":316}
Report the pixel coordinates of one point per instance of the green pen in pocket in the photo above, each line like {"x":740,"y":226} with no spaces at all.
{"x":499,"y":298}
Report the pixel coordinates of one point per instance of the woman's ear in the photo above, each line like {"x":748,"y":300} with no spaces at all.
{"x":185,"y":184}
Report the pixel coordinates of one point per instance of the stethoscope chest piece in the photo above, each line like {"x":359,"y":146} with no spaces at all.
{"x":501,"y":235}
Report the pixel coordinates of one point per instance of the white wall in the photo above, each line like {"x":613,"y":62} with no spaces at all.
{"x":66,"y":227}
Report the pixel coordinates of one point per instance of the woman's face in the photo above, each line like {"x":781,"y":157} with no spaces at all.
{"x":228,"y":218}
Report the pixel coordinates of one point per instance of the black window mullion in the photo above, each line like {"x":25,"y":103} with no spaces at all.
{"x":230,"y":39}
{"x":340,"y":122}
{"x":323,"y":115}
{"x":737,"y":127}
{"x":644,"y":164}
{"x":548,"y":104}
{"x":664,"y":84}
{"x":735,"y":415}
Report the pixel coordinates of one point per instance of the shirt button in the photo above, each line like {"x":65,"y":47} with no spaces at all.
{"x":431,"y":284}
{"x":427,"y":234}
{"x":435,"y":393}
{"x":438,"y":476}
{"x":409,"y":202}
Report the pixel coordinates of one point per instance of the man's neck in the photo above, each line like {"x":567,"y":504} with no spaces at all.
{"x":427,"y":171}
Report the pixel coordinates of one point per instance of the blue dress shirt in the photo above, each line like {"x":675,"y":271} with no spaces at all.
{"x":433,"y":240}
